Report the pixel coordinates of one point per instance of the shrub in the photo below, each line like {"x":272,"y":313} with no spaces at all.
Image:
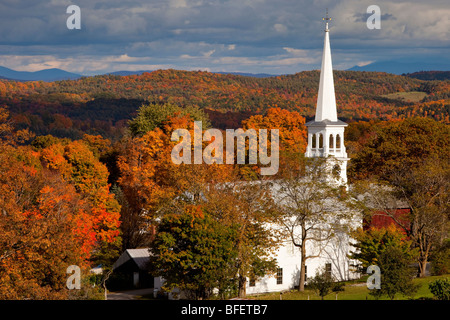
{"x":440,"y":289}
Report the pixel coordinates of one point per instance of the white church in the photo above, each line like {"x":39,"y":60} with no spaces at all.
{"x":325,"y":140}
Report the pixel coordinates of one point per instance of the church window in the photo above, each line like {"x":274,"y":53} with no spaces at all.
{"x":314,"y":141}
{"x":280,"y":276}
{"x":338,"y":141}
{"x":331,"y":142}
{"x":320,"y":140}
{"x":328,"y":269}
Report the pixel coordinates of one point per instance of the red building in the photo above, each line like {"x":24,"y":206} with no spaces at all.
{"x":381,"y":219}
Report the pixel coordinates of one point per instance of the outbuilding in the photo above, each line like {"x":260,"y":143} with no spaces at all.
{"x":131,"y":270}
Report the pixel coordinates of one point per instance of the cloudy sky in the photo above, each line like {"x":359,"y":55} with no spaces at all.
{"x":257,"y":36}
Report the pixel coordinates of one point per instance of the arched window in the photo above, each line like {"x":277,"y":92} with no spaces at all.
{"x":314,"y":144}
{"x":331,"y":144}
{"x":338,"y":141}
{"x":320,"y":140}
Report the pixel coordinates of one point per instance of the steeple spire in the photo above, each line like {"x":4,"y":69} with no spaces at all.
{"x":326,"y":132}
{"x":326,"y":100}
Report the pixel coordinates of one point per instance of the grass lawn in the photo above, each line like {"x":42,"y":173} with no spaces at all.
{"x":412,"y":96}
{"x":353,"y":291}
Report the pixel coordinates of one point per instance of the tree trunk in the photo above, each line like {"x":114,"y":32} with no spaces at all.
{"x":422,"y":267}
{"x":301,"y":284}
{"x":423,"y":257}
{"x":104,"y":283}
{"x":242,"y":290}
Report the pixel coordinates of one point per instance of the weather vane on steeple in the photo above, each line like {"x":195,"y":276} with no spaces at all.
{"x":326,"y":19}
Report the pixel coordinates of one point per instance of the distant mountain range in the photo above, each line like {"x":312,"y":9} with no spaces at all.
{"x":53,"y":74}
{"x":394,"y":67}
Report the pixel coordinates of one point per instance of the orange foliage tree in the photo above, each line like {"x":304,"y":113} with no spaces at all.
{"x":78,"y":166}
{"x":292,"y":132}
{"x":42,"y":228}
{"x":56,"y":211}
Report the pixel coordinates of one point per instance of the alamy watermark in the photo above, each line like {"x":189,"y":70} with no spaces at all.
{"x":374,"y":20}
{"x":74,"y":20}
{"x":74,"y":280}
{"x":374,"y":281}
{"x":213,"y":153}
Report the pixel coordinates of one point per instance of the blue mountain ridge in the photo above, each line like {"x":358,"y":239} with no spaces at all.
{"x":55,"y":74}
{"x":52,"y":74}
{"x":397,"y":67}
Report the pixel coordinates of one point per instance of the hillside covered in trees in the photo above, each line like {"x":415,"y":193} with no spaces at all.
{"x":104,"y":104}
{"x":429,"y":75}
{"x":86,"y":171}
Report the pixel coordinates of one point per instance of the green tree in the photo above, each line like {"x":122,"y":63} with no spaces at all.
{"x":322,"y":283}
{"x":338,"y":287}
{"x":440,"y":288}
{"x":152,"y":116}
{"x":371,"y":244}
{"x":396,"y":273}
{"x":440,"y":259}
{"x":195,"y":254}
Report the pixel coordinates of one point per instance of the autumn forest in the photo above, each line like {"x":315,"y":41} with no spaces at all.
{"x":85,"y":171}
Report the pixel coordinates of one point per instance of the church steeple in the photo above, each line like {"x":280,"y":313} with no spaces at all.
{"x":326,"y":100}
{"x":326,"y":131}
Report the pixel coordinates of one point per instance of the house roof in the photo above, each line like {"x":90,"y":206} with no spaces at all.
{"x":140,"y":256}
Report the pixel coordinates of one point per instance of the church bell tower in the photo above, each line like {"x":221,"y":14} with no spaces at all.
{"x":326,"y":131}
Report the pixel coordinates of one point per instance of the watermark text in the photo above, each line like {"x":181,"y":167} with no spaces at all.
{"x":213,"y":152}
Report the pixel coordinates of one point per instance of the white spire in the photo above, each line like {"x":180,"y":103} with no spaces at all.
{"x":326,"y":100}
{"x":326,"y":132}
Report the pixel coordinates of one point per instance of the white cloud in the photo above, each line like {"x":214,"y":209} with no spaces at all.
{"x":364,"y":63}
{"x":280,"y":27}
{"x":296,"y":52}
{"x":80,"y":64}
{"x":178,"y":3}
{"x":273,"y":61}
{"x":208,"y":53}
